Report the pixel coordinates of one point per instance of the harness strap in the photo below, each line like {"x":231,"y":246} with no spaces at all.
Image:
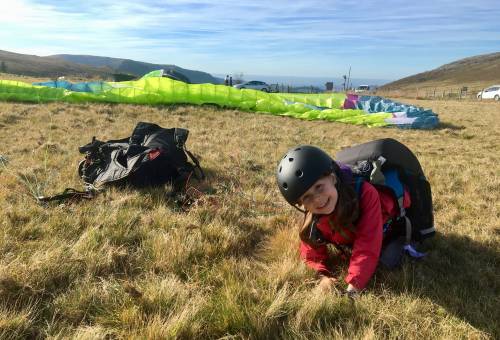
{"x":180,"y":137}
{"x":68,"y":194}
{"x":196,"y":162}
{"x":402,"y":210}
{"x":340,"y":230}
{"x":427,"y":231}
{"x":408,"y":230}
{"x":357,"y":185}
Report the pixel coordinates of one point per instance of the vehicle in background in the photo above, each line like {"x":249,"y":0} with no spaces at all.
{"x":274,"y":88}
{"x":492,"y":92}
{"x":254,"y":85}
{"x":363,"y":88}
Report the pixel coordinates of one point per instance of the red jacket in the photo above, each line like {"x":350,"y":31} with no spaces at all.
{"x":376,"y":207}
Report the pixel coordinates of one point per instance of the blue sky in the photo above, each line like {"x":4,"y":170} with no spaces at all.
{"x":379,"y":39}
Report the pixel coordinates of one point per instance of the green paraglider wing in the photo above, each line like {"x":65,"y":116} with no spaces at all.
{"x":152,"y":89}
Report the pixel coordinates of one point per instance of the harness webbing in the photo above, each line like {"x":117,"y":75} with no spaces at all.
{"x":392,"y":181}
{"x":69,"y":194}
{"x":196,"y":163}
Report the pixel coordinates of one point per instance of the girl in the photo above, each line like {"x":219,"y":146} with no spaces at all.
{"x":335,"y":213}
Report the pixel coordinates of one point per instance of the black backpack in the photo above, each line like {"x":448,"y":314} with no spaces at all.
{"x":387,"y":162}
{"x":151,"y":156}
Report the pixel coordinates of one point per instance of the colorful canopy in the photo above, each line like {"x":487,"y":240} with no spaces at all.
{"x":160,"y":90}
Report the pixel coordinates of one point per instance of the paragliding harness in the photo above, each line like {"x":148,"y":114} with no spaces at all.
{"x":390,"y":164}
{"x":151,"y":156}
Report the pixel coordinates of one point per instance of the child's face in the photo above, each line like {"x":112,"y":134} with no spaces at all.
{"x":321,"y":198}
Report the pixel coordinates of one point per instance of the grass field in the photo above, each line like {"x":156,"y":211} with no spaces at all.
{"x":132,"y":264}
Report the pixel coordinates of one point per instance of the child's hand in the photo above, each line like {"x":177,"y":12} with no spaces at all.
{"x":352,"y":291}
{"x":326,"y":283}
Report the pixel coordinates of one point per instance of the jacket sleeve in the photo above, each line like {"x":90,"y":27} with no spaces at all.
{"x":315,"y":258}
{"x":368,"y":239}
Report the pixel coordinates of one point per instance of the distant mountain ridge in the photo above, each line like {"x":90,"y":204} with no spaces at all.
{"x":85,"y":66}
{"x":35,"y":66}
{"x":137,"y":68}
{"x":481,"y":71}
{"x":477,"y":71}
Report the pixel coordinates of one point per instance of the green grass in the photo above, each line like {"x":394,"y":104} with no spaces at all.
{"x":131,"y":264}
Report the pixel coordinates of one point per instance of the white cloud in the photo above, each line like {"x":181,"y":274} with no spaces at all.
{"x":212,"y":34}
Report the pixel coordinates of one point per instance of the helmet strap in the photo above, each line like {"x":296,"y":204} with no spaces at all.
{"x":299,"y":209}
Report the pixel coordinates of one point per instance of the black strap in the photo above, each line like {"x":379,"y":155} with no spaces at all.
{"x":180,"y":137}
{"x":357,"y":185}
{"x":68,"y":194}
{"x":196,"y":162}
{"x":301,"y":210}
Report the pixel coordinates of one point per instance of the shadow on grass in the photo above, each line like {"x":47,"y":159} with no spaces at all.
{"x":459,"y":274}
{"x":450,"y":126}
{"x":181,"y":196}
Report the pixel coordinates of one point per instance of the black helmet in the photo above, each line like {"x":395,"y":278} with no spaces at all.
{"x":300,"y":168}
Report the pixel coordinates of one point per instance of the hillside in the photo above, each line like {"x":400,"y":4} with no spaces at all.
{"x":35,"y":66}
{"x":137,"y":68}
{"x":86,"y":67}
{"x":478,"y":71}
